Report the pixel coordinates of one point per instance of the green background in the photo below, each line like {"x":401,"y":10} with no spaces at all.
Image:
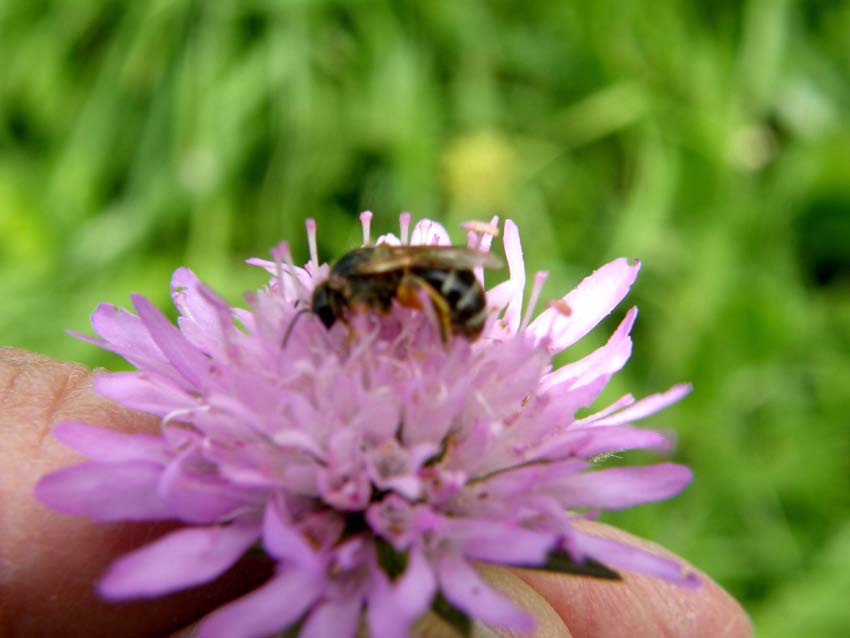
{"x":710,"y":139}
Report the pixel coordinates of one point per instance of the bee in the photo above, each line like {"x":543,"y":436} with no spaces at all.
{"x":373,"y":277}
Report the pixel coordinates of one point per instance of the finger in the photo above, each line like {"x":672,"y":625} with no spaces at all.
{"x":639,"y":606}
{"x":50,"y":562}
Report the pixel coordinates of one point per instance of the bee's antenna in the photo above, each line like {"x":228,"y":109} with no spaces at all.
{"x":291,"y":325}
{"x":366,"y":221}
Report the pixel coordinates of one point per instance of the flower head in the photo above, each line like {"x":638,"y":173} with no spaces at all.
{"x":372,"y":462}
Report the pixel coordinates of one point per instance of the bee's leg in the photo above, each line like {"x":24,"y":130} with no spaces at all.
{"x":408,"y":295}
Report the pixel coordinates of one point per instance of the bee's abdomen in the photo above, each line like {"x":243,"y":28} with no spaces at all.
{"x":464,"y":296}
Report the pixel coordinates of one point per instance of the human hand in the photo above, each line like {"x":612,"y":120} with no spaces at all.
{"x":49,"y":562}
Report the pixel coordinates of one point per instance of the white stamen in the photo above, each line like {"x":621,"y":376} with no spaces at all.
{"x":179,"y":413}
{"x":366,"y":222}
{"x":404,"y":223}
{"x":539,"y":279}
{"x":310,"y":223}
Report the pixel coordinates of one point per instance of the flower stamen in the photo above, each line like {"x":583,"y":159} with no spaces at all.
{"x":366,"y":222}
{"x":404,"y":224}
{"x":310,"y":223}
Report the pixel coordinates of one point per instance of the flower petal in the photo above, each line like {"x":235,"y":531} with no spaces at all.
{"x":427,"y":232}
{"x":587,"y":442}
{"x":284,"y":542}
{"x":620,"y":487}
{"x":125,"y":333}
{"x":101,"y":444}
{"x":138,"y":391}
{"x":185,"y":357}
{"x":338,"y":618}
{"x":649,"y":405}
{"x":510,"y":484}
{"x":196,"y":493}
{"x":394,"y":607}
{"x":463,"y":587}
{"x":204,"y":316}
{"x":499,"y":542}
{"x":123,"y":491}
{"x":606,"y":360}
{"x":388,"y":239}
{"x":618,"y":555}
{"x":263,"y":612}
{"x":623,"y":402}
{"x":516,"y":267}
{"x":591,"y":301}
{"x":178,"y":560}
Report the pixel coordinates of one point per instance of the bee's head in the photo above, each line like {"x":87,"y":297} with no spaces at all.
{"x":326,"y":303}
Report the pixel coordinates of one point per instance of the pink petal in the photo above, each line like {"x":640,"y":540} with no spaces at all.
{"x":138,"y":391}
{"x":427,"y":232}
{"x":426,"y":420}
{"x":591,"y":301}
{"x":620,"y":556}
{"x":125,"y":333}
{"x":516,"y":267}
{"x":389,"y":239}
{"x":515,"y":441}
{"x":186,"y":358}
{"x":203,"y":313}
{"x":498,"y":542}
{"x":648,"y":405}
{"x":620,"y":487}
{"x":463,"y":587}
{"x":267,"y":610}
{"x":500,"y":295}
{"x":123,"y":491}
{"x":591,"y":441}
{"x":294,"y":280}
{"x":505,"y":377}
{"x":393,"y":607}
{"x":101,"y":444}
{"x":623,"y":402}
{"x":196,"y":493}
{"x":514,"y":483}
{"x":337,"y":618}
{"x":285,"y":542}
{"x":606,"y":360}
{"x":262,"y":263}
{"x":181,"y":559}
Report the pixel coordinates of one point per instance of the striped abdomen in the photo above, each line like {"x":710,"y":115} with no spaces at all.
{"x":463,"y":294}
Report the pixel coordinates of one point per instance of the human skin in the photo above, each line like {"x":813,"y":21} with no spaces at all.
{"x":50,"y":562}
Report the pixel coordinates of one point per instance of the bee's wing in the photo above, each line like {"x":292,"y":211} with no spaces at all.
{"x":388,"y":258}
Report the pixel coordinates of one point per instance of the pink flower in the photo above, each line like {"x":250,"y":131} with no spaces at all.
{"x":374,"y":465}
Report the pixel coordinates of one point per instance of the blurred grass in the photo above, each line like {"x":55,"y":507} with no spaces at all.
{"x":712,"y":140}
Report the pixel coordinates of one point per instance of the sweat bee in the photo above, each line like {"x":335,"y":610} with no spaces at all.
{"x":373,"y":276}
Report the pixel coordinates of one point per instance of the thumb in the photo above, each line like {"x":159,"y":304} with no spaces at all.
{"x":50,"y":562}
